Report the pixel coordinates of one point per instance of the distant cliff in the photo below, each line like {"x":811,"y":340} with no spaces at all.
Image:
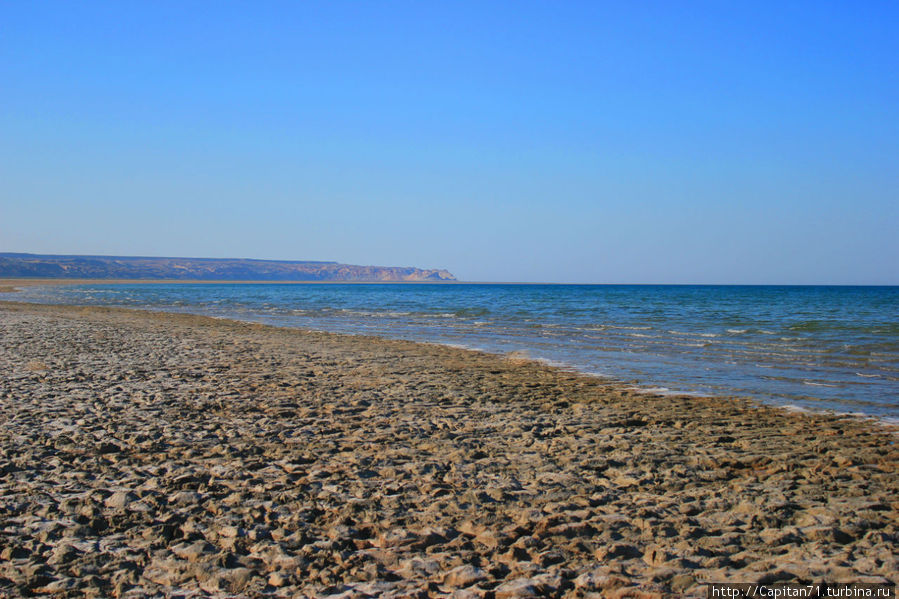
{"x":204,"y":269}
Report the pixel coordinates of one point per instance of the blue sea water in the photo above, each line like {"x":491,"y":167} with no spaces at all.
{"x":833,"y":348}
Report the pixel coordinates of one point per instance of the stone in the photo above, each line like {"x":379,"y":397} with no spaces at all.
{"x":120,"y":500}
{"x":464,"y":576}
{"x":521,"y":587}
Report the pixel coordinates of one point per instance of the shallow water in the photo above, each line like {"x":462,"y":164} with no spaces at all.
{"x":813,"y":347}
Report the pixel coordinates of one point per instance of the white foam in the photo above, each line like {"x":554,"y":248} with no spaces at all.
{"x":737,"y":331}
{"x":556,"y":364}
{"x":665,"y":391}
{"x":461,"y":346}
{"x":794,"y":408}
{"x":688,"y":334}
{"x":813,"y":384}
{"x":599,"y":375}
{"x":648,"y":390}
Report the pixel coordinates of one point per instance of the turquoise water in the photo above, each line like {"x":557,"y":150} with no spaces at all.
{"x":811,"y":347}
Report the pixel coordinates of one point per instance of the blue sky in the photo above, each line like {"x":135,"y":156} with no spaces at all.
{"x":595,"y":142}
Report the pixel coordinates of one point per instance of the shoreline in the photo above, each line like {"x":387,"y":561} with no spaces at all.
{"x":888,"y":423}
{"x":148,"y":453}
{"x":645,"y":387}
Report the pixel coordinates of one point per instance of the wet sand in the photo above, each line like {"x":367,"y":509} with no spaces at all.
{"x":161,"y":455}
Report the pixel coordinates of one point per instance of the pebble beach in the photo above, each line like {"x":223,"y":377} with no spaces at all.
{"x":168,"y":455}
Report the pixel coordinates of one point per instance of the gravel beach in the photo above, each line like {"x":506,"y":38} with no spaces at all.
{"x":163,"y":455}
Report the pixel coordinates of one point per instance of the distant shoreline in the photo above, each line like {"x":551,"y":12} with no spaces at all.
{"x":8,"y":284}
{"x":53,"y":266}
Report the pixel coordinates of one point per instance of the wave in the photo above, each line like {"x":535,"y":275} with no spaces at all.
{"x":794,"y":408}
{"x":664,"y":391}
{"x":694,"y":334}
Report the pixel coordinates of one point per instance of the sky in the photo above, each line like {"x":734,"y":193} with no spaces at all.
{"x":583,"y":142}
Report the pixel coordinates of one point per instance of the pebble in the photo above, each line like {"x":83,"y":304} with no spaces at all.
{"x":155,"y":455}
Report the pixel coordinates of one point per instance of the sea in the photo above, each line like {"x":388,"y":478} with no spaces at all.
{"x":805,"y":347}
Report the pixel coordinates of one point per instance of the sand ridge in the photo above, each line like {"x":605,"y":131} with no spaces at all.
{"x":161,"y":455}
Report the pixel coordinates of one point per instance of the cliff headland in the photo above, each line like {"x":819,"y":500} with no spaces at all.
{"x":13,"y":265}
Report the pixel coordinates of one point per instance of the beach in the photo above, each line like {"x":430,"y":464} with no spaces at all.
{"x":154,"y":455}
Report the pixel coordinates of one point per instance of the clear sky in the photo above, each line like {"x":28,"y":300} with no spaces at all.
{"x":595,"y":142}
